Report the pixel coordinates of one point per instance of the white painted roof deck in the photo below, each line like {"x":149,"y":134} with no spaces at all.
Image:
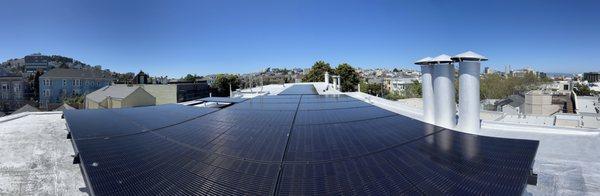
{"x":35,"y":154}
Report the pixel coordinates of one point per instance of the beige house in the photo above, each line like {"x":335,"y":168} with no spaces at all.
{"x":539,"y":103}
{"x":119,"y":96}
{"x":164,"y":93}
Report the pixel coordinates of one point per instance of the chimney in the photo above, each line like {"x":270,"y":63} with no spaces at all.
{"x":468,"y":95}
{"x":427,"y":88}
{"x":327,"y":78}
{"x":339,"y":83}
{"x":443,"y":91}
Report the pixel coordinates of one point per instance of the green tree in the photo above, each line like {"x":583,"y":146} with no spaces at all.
{"x":415,"y":90}
{"x":76,"y":101}
{"x":371,"y":88}
{"x":221,"y":84}
{"x":317,"y":72}
{"x":582,"y":90}
{"x":190,"y":77}
{"x":349,"y":77}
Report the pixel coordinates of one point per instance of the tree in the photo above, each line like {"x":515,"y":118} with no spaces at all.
{"x":349,"y":77}
{"x":190,"y":77}
{"x":415,"y":90}
{"x":582,"y":90}
{"x":371,"y":88}
{"x":317,"y":72}
{"x":221,"y":84}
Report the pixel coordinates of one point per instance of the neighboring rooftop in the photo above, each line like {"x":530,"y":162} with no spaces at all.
{"x":114,"y":91}
{"x":75,"y":73}
{"x":26,"y":108}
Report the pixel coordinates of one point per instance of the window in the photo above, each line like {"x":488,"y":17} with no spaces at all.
{"x":4,"y":86}
{"x":17,"y":87}
{"x":77,"y":82}
{"x":64,"y":82}
{"x":47,"y":93}
{"x":47,"y":82}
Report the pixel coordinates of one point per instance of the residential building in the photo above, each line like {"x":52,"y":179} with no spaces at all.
{"x":35,"y":62}
{"x":59,"y":84}
{"x":511,"y":105}
{"x":141,"y":78}
{"x":187,"y":91}
{"x":398,"y":85}
{"x":12,"y":91}
{"x":540,"y":103}
{"x":176,"y":92}
{"x":119,"y":96}
{"x":591,"y":76}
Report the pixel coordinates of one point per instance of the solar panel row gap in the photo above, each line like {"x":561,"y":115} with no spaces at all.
{"x":289,"y":135}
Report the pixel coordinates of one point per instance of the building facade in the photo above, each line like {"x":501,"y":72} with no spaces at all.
{"x":12,"y":91}
{"x":192,"y":90}
{"x":591,"y":76}
{"x":59,"y":84}
{"x":35,"y":62}
{"x":398,"y":85}
{"x":141,"y":78}
{"x":119,"y":96}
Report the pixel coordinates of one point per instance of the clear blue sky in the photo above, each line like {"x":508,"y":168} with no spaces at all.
{"x":202,"y":37}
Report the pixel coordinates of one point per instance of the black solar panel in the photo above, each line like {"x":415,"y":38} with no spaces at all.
{"x":300,"y":89}
{"x":289,"y":145}
{"x":114,"y":122}
{"x":223,"y":99}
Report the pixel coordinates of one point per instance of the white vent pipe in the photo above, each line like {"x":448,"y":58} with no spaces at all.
{"x":443,"y":87}
{"x":427,"y":90}
{"x":469,"y":100}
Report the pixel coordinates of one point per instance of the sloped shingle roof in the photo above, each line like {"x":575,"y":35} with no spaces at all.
{"x":75,"y":73}
{"x":26,"y":108}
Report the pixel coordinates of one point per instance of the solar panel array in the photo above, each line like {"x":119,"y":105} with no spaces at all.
{"x":300,"y":89}
{"x":289,"y":145}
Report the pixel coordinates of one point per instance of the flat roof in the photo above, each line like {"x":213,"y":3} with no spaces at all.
{"x":35,"y":156}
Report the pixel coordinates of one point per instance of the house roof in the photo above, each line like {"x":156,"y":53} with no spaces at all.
{"x":513,"y":100}
{"x":26,"y":108}
{"x":115,"y":91}
{"x":64,"y":107}
{"x":75,"y":73}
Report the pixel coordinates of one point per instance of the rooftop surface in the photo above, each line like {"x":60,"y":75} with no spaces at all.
{"x":567,"y":161}
{"x":36,"y":156}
